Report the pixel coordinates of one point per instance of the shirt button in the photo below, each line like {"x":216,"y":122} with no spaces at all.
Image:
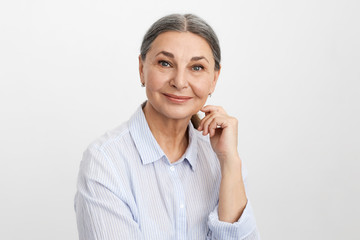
{"x":172,"y":168}
{"x":182,"y":206}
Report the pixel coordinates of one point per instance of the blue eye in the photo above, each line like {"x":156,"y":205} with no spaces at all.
{"x":164,"y":63}
{"x":197,"y":68}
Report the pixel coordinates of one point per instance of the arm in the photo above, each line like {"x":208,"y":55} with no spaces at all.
{"x":233,"y":218}
{"x":243,"y":228}
{"x":232,"y":197}
{"x":103,"y":209}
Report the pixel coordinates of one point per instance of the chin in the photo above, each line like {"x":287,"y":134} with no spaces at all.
{"x":178,"y":112}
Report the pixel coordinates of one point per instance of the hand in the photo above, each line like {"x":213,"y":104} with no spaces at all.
{"x":222,"y":129}
{"x":223,"y":137}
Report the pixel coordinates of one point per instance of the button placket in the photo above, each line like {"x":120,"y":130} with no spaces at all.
{"x":179,"y":201}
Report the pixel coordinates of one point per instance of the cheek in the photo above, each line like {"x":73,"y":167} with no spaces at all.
{"x":201,"y":87}
{"x":154,"y":80}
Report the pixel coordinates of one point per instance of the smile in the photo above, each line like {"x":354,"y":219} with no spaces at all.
{"x":177,"y":99}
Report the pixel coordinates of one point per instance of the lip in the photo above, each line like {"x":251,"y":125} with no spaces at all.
{"x":176,"y":98}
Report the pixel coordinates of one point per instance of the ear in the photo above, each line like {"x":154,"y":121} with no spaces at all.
{"x":141,"y":68}
{"x":216,"y":77}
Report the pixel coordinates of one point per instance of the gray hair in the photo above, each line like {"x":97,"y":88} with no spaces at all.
{"x":182,"y":23}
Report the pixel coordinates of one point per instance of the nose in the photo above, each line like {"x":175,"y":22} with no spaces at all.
{"x":179,"y":80}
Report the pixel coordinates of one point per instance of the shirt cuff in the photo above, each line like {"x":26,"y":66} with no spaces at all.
{"x":237,"y":230}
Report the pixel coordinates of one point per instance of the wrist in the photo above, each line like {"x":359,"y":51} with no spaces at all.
{"x":231,"y":166}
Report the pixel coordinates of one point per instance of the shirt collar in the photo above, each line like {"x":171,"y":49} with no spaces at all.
{"x":191,"y":151}
{"x":147,"y":145}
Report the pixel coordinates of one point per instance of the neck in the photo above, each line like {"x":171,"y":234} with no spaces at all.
{"x":170,"y":134}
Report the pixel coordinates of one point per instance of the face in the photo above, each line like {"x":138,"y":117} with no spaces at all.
{"x":179,"y":74}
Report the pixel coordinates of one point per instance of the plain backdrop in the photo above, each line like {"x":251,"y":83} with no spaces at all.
{"x":291,"y":75}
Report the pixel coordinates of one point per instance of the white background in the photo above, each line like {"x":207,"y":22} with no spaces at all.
{"x":291,"y":75}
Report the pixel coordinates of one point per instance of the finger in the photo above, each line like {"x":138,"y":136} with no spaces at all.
{"x":203,"y":125}
{"x":202,"y":121}
{"x":212,"y":127}
{"x":215,"y":124}
{"x":207,"y":121}
{"x":212,"y":108}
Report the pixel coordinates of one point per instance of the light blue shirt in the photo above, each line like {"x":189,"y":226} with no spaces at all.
{"x":128,"y":189}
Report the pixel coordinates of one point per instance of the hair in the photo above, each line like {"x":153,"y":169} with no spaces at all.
{"x":183,"y":23}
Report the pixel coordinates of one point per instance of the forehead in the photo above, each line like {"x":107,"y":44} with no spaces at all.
{"x":181,"y":43}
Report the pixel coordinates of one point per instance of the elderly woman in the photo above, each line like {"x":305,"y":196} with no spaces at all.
{"x":166,"y":174}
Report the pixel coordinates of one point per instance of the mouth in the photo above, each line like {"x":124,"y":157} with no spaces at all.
{"x":176,"y":98}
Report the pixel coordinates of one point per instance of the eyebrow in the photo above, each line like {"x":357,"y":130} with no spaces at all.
{"x":198,"y":58}
{"x":170,"y":55}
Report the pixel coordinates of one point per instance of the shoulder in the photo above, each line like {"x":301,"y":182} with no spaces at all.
{"x":106,"y":159}
{"x":104,"y":165}
{"x":98,"y":151}
{"x":115,"y":151}
{"x":111,"y":137}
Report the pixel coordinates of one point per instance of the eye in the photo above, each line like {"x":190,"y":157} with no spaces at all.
{"x":164,"y":63}
{"x":197,"y":68}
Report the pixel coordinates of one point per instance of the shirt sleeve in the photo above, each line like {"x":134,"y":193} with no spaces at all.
{"x":244,"y":228}
{"x":103,"y":209}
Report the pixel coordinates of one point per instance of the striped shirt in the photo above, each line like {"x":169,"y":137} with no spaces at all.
{"x":128,"y":189}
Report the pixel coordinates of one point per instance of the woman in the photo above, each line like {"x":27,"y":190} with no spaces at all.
{"x":157,"y":176}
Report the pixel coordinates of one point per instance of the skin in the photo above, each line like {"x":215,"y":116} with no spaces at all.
{"x":179,"y":74}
